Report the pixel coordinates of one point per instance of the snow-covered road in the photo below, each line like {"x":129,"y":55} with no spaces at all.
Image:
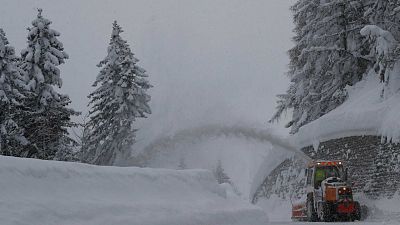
{"x":381,"y":212}
{"x":337,"y":223}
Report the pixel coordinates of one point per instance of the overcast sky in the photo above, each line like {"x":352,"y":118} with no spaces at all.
{"x":210,"y":61}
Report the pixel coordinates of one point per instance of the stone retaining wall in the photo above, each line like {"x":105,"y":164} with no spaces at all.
{"x":373,"y":167}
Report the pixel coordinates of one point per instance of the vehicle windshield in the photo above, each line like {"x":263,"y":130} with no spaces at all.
{"x":323,"y":172}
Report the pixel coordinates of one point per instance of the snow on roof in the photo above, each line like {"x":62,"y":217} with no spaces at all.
{"x":365,"y":112}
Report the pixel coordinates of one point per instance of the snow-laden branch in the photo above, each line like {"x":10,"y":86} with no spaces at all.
{"x":385,"y":43}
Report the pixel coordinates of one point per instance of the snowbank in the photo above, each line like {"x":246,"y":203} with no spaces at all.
{"x":279,"y":210}
{"x":383,"y":210}
{"x":364,"y":113}
{"x":47,"y":192}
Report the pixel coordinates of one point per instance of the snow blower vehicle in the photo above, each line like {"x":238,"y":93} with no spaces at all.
{"x":329,"y":196}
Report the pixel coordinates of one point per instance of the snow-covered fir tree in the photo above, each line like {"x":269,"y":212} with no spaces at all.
{"x":220,"y":174}
{"x":383,"y":35}
{"x":46,"y":118}
{"x":119,"y":99}
{"x":327,"y":57}
{"x":12,"y":140}
{"x":383,"y":13}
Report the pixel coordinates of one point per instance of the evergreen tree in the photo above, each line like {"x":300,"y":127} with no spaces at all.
{"x":327,"y":57}
{"x":47,"y":117}
{"x":384,"y":13}
{"x":119,"y":99}
{"x":220,"y":174}
{"x":383,"y":35}
{"x":12,"y":86}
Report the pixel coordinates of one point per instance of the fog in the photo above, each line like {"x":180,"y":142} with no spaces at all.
{"x":210,"y":61}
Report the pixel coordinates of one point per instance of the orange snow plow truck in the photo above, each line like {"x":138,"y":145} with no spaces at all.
{"x":329,"y":196}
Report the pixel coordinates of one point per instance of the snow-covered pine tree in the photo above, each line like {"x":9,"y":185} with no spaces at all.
{"x":328,"y":56}
{"x":304,"y":13}
{"x":220,"y":174}
{"x":384,"y":13}
{"x":12,"y":87}
{"x":47,"y":117}
{"x":119,"y":99}
{"x":383,"y":34}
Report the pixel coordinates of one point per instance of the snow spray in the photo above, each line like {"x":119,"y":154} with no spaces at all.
{"x":211,"y":131}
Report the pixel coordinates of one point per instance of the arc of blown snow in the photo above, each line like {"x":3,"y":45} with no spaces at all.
{"x":209,"y":131}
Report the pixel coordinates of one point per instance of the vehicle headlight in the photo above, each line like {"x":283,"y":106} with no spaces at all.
{"x":344,"y":190}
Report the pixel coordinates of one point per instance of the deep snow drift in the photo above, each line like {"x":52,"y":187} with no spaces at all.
{"x":367,"y":111}
{"x":48,"y":192}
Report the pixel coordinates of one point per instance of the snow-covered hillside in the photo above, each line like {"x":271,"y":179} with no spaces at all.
{"x":365,"y":112}
{"x":47,"y":192}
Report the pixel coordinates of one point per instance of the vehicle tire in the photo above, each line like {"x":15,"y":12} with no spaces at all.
{"x":357,"y":214}
{"x":326,"y":214}
{"x":311,"y":213}
{"x":364,"y":212}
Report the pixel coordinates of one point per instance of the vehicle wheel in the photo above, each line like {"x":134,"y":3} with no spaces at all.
{"x":357,"y":214}
{"x":364,"y":212}
{"x":326,"y":215}
{"x":311,"y":214}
